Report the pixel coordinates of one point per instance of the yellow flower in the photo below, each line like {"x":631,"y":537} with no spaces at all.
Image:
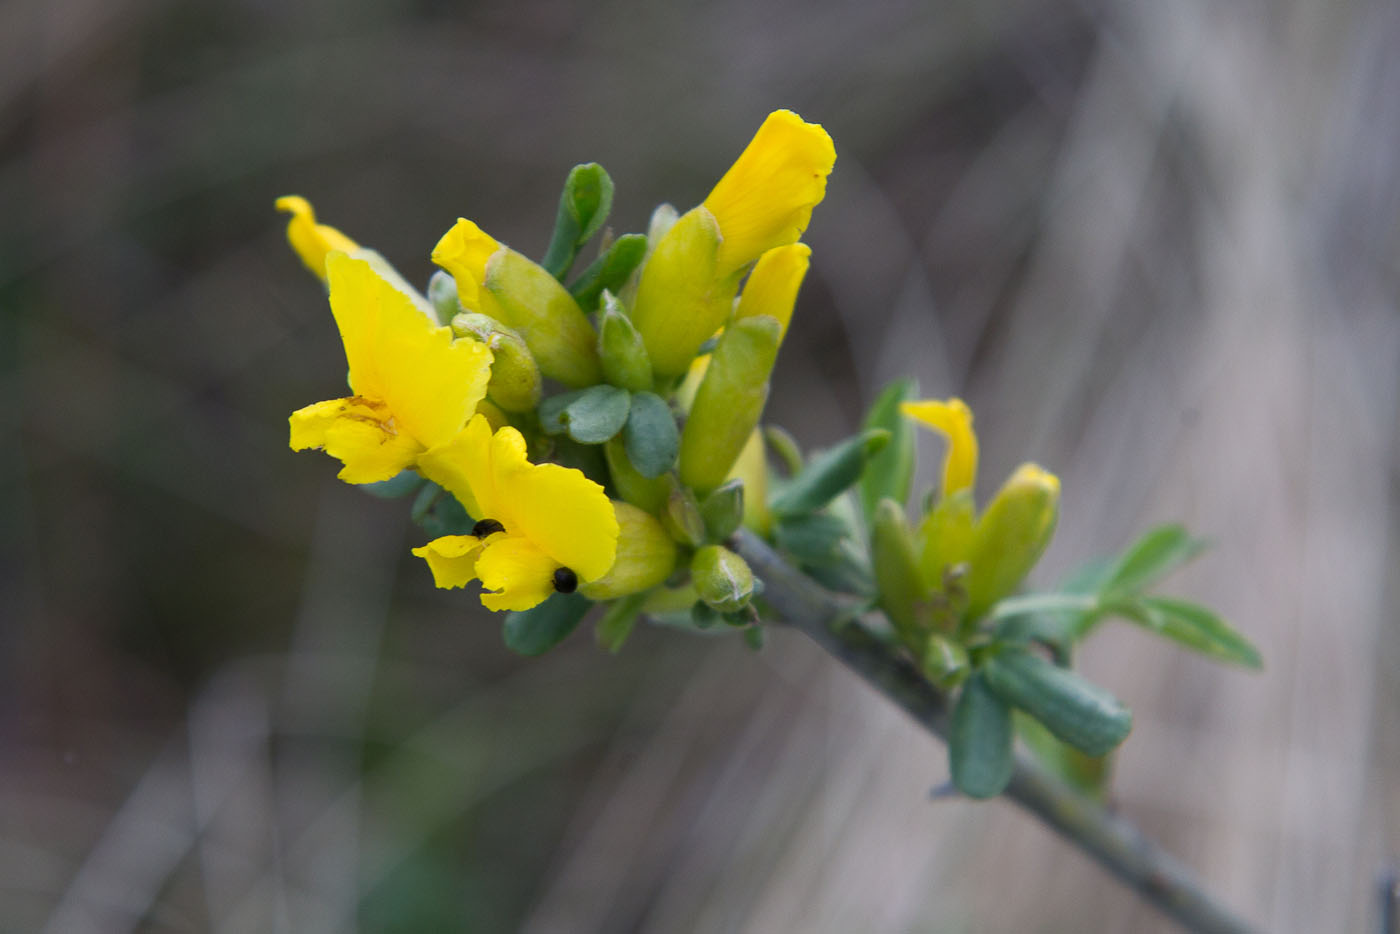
{"x":311,"y":240}
{"x":542,"y":527}
{"x":766,"y":197}
{"x":763,"y":202}
{"x":953,"y":419}
{"x":414,"y":386}
{"x":498,"y":282}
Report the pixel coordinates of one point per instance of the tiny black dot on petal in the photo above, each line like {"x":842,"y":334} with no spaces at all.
{"x":565,"y":580}
{"x":487,"y":527}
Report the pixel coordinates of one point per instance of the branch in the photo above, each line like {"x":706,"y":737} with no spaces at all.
{"x":1112,"y":840}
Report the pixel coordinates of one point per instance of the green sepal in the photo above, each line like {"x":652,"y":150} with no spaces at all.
{"x":1076,"y":711}
{"x":903,"y":594}
{"x":618,"y":621}
{"x":442,"y":295}
{"x":610,"y":271}
{"x":890,"y":472}
{"x":646,"y":493}
{"x":702,"y":615}
{"x":755,"y":636}
{"x":829,"y":474}
{"x":400,"y":484}
{"x":650,"y":435}
{"x":540,"y":628}
{"x":722,"y":579}
{"x":620,"y":349}
{"x":723,"y":510}
{"x":584,"y":206}
{"x":589,"y":416}
{"x":980,"y":741}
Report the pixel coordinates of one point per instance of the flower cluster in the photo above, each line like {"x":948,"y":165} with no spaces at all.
{"x":450,"y":388}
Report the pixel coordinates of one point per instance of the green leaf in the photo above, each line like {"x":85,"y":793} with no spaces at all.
{"x":609,"y":271}
{"x":829,"y":474}
{"x":1158,"y":553}
{"x":889,"y":472}
{"x":1080,"y":713}
{"x":539,"y":629}
{"x":439,"y":513}
{"x":617,"y":622}
{"x":650,"y":435}
{"x":814,"y":538}
{"x":1192,"y":625}
{"x":400,"y":484}
{"x":589,"y":416}
{"x":584,"y":205}
{"x":979,"y":741}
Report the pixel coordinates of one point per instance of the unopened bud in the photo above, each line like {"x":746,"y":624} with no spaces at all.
{"x":620,"y":348}
{"x":1010,"y":536}
{"x":646,"y":556}
{"x":722,"y":578}
{"x":515,"y":377}
{"x":680,"y":299}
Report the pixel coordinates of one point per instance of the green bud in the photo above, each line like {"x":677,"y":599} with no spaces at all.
{"x":723,"y":510}
{"x":611,"y":271}
{"x":980,"y":741}
{"x":584,"y":205}
{"x":722,"y":578}
{"x":620,"y":348}
{"x":729,"y":402}
{"x":903,"y":594}
{"x":682,"y":515}
{"x":515,"y":379}
{"x":646,"y":556}
{"x":1010,"y":536}
{"x":442,"y":295}
{"x":680,"y":300}
{"x":530,"y":300}
{"x":944,"y":540}
{"x":944,"y":661}
{"x":1077,"y":712}
{"x":648,"y":493}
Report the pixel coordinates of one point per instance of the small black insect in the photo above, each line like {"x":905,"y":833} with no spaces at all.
{"x":487,"y":527}
{"x":565,"y":580}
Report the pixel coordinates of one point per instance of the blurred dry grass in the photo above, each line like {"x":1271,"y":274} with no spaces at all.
{"x":1156,"y":245}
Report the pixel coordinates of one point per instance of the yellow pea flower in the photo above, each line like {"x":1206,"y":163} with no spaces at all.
{"x":414,"y":386}
{"x":498,"y":282}
{"x":953,"y":419}
{"x":542,"y":527}
{"x":312,"y":241}
{"x":765,"y":200}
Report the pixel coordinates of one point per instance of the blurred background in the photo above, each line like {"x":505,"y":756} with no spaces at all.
{"x":1156,"y":246}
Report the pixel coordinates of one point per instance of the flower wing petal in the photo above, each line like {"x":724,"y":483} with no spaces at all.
{"x":515,"y":574}
{"x":569,"y":518}
{"x":452,"y":559}
{"x":352,"y":431}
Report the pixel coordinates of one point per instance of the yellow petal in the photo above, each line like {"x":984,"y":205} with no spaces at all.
{"x":463,"y":465}
{"x":517,"y":574}
{"x":452,"y":559}
{"x":357,"y":432}
{"x":954,"y":420}
{"x":312,"y":241}
{"x":568,"y":517}
{"x":772,"y":286}
{"x":766,"y":197}
{"x":463,"y":251}
{"x":430,"y":382}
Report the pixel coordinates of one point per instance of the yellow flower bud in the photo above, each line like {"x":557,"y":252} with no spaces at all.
{"x":497,"y":281}
{"x":646,"y":556}
{"x":772,"y":286}
{"x":1010,"y":536}
{"x":952,"y":419}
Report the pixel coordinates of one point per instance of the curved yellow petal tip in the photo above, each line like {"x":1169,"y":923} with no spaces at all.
{"x":766,"y":198}
{"x":1033,"y":475}
{"x":953,"y":419}
{"x":463,"y":251}
{"x":773,"y":284}
{"x":311,"y":241}
{"x":452,"y":559}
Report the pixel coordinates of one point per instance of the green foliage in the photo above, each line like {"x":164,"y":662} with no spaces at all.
{"x":537,"y":630}
{"x":890,"y":471}
{"x":649,"y":435}
{"x":588,"y":416}
{"x":980,"y":741}
{"x":1080,"y":713}
{"x":610,"y":271}
{"x":829,"y":474}
{"x":617,"y":622}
